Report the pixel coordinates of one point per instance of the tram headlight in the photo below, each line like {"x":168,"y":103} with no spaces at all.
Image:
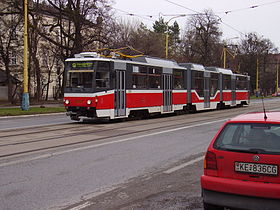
{"x":67,"y":101}
{"x":89,"y":102}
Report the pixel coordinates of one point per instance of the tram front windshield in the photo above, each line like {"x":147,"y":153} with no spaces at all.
{"x":83,"y":77}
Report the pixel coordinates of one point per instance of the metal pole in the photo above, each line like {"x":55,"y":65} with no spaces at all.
{"x":277,"y":78}
{"x":225,"y":56}
{"x":257,"y":76}
{"x":25,"y":96}
{"x":166,"y":45}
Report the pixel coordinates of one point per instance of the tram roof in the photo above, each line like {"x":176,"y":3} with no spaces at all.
{"x":89,"y":56}
{"x":193,"y":66}
{"x":157,"y":62}
{"x":220,"y":70}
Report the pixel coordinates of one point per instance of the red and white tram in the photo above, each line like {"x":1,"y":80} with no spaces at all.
{"x":98,"y":87}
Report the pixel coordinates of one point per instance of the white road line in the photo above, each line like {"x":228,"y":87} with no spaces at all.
{"x":107,"y":143}
{"x":84,"y":205}
{"x":176,"y":168}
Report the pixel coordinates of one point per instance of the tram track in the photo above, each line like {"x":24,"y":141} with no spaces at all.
{"x":87,"y":141}
{"x":153,"y":126}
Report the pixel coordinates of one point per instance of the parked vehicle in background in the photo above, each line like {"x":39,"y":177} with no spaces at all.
{"x":241,"y":166}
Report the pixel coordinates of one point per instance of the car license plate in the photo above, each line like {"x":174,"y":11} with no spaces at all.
{"x":256,"y":168}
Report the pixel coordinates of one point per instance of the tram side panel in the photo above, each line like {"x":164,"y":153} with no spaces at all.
{"x":242,"y":90}
{"x":226,"y":90}
{"x":179,"y":93}
{"x":144,"y":91}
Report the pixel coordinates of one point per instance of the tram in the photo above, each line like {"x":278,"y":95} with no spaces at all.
{"x":100,"y":87}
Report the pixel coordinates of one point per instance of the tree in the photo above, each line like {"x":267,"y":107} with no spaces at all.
{"x":201,"y":42}
{"x":138,"y":36}
{"x":252,"y":48}
{"x":162,"y":28}
{"x":78,"y":25}
{"x":10,"y":20}
{"x":70,"y":26}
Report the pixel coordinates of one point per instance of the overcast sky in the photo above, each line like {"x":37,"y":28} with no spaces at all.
{"x":240,"y":19}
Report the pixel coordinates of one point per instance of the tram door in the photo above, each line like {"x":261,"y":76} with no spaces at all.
{"x":167,"y":92}
{"x":206,"y":89}
{"x":233,"y":90}
{"x":120,"y":94}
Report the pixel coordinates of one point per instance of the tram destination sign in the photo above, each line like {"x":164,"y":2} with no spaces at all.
{"x":82,"y":65}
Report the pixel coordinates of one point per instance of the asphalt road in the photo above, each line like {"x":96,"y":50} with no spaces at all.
{"x":147,"y":164}
{"x":26,"y":121}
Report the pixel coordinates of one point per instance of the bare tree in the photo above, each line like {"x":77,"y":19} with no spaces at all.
{"x":10,"y":20}
{"x":202,"y":41}
{"x":255,"y":48}
{"x":76,"y":25}
{"x":141,"y":38}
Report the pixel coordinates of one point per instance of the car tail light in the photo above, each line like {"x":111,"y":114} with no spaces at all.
{"x":210,"y":161}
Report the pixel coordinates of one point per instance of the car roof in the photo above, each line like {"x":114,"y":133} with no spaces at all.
{"x":257,"y":117}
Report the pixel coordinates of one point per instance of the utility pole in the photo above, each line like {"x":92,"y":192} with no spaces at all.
{"x":25,"y":96}
{"x":225,"y":51}
{"x":225,"y":55}
{"x":257,"y":76}
{"x":277,"y":77}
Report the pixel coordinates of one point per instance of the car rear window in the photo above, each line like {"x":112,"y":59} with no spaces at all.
{"x":250,"y":137}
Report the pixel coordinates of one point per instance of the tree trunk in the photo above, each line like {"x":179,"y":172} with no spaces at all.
{"x":10,"y":84}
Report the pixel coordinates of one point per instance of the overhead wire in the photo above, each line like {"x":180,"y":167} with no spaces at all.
{"x":248,"y":8}
{"x":199,"y":13}
{"x":146,"y":17}
{"x":182,"y":6}
{"x":150,"y":17}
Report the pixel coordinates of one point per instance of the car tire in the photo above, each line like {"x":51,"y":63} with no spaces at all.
{"x":207,"y":206}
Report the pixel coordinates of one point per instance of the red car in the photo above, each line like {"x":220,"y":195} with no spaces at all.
{"x":241,"y":166}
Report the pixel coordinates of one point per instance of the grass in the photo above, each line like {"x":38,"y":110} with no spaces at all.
{"x":32,"y":110}
{"x":260,"y":97}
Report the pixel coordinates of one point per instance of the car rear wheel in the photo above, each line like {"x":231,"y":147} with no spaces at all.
{"x":207,"y":206}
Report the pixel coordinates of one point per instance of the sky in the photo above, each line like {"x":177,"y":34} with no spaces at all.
{"x":238,"y":16}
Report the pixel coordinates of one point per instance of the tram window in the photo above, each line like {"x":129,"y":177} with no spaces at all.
{"x":214,"y":82}
{"x":198,"y":82}
{"x":102,"y":79}
{"x":139,"y":77}
{"x":102,"y":75}
{"x":154,"y":77}
{"x":79,"y":80}
{"x":241,"y":83}
{"x":103,"y":66}
{"x":227,"y":82}
{"x":178,"y":79}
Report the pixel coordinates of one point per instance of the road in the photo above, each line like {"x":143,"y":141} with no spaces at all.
{"x":141,"y":164}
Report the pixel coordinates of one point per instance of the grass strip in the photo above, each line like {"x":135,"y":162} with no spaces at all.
{"x":32,"y":110}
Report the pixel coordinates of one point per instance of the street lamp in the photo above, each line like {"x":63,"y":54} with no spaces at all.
{"x":25,"y":96}
{"x":167,"y":35}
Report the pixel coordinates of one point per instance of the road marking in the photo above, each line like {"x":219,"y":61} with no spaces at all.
{"x":107,"y":143}
{"x":176,"y":168}
{"x":84,"y":205}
